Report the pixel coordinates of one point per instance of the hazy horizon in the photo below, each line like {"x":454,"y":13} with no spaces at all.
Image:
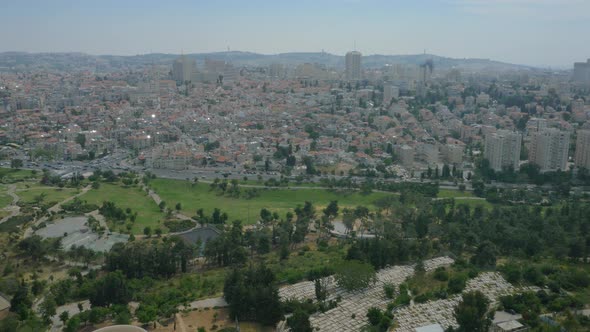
{"x":543,"y":33}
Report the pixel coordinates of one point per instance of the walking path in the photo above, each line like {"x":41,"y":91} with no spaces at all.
{"x":12,"y":208}
{"x":180,"y":323}
{"x":206,"y":303}
{"x":29,"y":231}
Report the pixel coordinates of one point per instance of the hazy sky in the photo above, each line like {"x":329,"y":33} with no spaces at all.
{"x":534,"y":32}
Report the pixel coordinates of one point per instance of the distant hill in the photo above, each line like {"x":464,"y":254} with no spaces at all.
{"x":20,"y":61}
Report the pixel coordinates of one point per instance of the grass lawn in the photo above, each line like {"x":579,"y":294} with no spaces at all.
{"x":53,"y":194}
{"x":279,"y":200}
{"x":447,"y":193}
{"x":148,"y":213}
{"x":16,"y":174}
{"x":5,"y":199}
{"x":299,"y":263}
{"x":473,"y":203}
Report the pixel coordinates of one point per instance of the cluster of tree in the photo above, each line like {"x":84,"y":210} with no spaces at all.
{"x":531,"y":304}
{"x":516,"y":231}
{"x":155,"y":259}
{"x":107,"y":176}
{"x":227,"y":248}
{"x":425,"y":189}
{"x":78,"y":206}
{"x":111,"y":211}
{"x":473,"y":314}
{"x":379,"y":320}
{"x":531,"y":173}
{"x":49,"y":179}
{"x":446,"y":173}
{"x":36,"y":247}
{"x":210,"y":146}
{"x":252,"y":294}
{"x":231,"y":246}
{"x":225,"y":187}
{"x":217,"y":217}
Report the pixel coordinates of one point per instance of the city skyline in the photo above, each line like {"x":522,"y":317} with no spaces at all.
{"x":514,"y":31}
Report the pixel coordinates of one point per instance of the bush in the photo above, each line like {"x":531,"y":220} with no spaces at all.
{"x":441,"y":274}
{"x":457,"y":283}
{"x":423,"y":297}
{"x":374,"y":316}
{"x":179,"y":225}
{"x":389,"y":290}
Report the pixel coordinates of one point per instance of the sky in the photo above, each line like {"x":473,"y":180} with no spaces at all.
{"x":547,"y":33}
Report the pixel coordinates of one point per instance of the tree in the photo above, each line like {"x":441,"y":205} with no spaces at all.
{"x":73,"y":324}
{"x":299,"y":322}
{"x":457,"y":284}
{"x":162,"y":205}
{"x":21,"y":301}
{"x":485,"y":255}
{"x":146,"y":313}
{"x":48,"y":309}
{"x":321,"y":289}
{"x":33,"y":246}
{"x":64,"y":316}
{"x":111,"y":289}
{"x":147,"y":231}
{"x":374,"y":315}
{"x":331,"y":211}
{"x":252,"y":294}
{"x":472,"y":313}
{"x":16,"y":163}
{"x":81,"y":139}
{"x":354,"y":275}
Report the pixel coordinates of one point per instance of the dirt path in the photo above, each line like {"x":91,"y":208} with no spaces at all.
{"x":180,"y":323}
{"x":157,"y":199}
{"x":12,"y":208}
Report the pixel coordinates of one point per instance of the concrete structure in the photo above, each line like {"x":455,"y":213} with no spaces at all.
{"x":389,"y":92}
{"x":276,"y":70}
{"x":549,"y":149}
{"x":535,"y":125}
{"x":406,"y":155}
{"x":453,"y":153}
{"x":121,"y":328}
{"x":582,"y":158}
{"x":502,"y":149}
{"x":430,"y":328}
{"x":506,"y":322}
{"x":582,"y":72}
{"x":482,"y":99}
{"x":353,"y":65}
{"x":75,"y":231}
{"x":427,"y":153}
{"x":184,"y":69}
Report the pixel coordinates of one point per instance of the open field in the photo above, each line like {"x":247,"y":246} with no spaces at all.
{"x":299,"y":263}
{"x":11,"y":174}
{"x":5,"y":199}
{"x":148,"y":213}
{"x":52,"y":194}
{"x":447,"y":193}
{"x":473,"y":203}
{"x":279,"y":200}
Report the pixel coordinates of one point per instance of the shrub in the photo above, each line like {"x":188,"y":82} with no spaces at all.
{"x":457,"y":283}
{"x":389,"y":290}
{"x":441,"y":274}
